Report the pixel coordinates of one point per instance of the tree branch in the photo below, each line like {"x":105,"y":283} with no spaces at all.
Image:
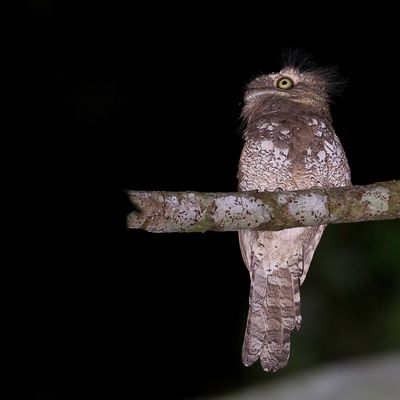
{"x":200,"y":212}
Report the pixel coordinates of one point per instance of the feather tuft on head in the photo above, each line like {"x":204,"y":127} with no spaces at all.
{"x":304,"y":62}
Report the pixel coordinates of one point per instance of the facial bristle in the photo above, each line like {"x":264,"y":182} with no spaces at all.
{"x":305,"y":63}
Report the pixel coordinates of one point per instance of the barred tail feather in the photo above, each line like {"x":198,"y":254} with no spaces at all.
{"x":274,"y":311}
{"x":256,"y":320}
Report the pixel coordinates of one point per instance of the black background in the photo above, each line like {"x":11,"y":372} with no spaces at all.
{"x":99,"y":98}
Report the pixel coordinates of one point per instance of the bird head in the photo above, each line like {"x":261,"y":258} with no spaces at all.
{"x":299,"y":87}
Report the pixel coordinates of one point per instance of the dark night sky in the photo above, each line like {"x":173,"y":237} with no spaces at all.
{"x":97,"y":99}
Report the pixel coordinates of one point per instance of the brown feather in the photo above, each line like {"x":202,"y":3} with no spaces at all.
{"x":289,"y":144}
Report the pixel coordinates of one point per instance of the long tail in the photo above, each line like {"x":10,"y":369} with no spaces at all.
{"x":273,"y":312}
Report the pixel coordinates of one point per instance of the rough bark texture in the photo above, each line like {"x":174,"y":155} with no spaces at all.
{"x":200,"y":212}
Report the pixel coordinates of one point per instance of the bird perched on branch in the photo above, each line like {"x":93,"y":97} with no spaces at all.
{"x":289,"y":144}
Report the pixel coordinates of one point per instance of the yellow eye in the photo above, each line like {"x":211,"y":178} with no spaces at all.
{"x":285,"y":83}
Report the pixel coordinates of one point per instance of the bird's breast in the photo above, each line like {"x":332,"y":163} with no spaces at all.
{"x":292,"y":157}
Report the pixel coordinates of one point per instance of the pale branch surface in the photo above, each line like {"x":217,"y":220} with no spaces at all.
{"x":199,"y":212}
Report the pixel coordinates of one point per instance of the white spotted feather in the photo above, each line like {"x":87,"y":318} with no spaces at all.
{"x":282,"y":152}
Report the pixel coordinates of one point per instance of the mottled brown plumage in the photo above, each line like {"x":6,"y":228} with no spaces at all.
{"x":289,"y":144}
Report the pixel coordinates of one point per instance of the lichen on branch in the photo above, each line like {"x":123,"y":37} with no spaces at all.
{"x":160,"y":211}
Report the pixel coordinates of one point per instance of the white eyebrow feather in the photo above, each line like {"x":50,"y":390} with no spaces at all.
{"x":258,"y":93}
